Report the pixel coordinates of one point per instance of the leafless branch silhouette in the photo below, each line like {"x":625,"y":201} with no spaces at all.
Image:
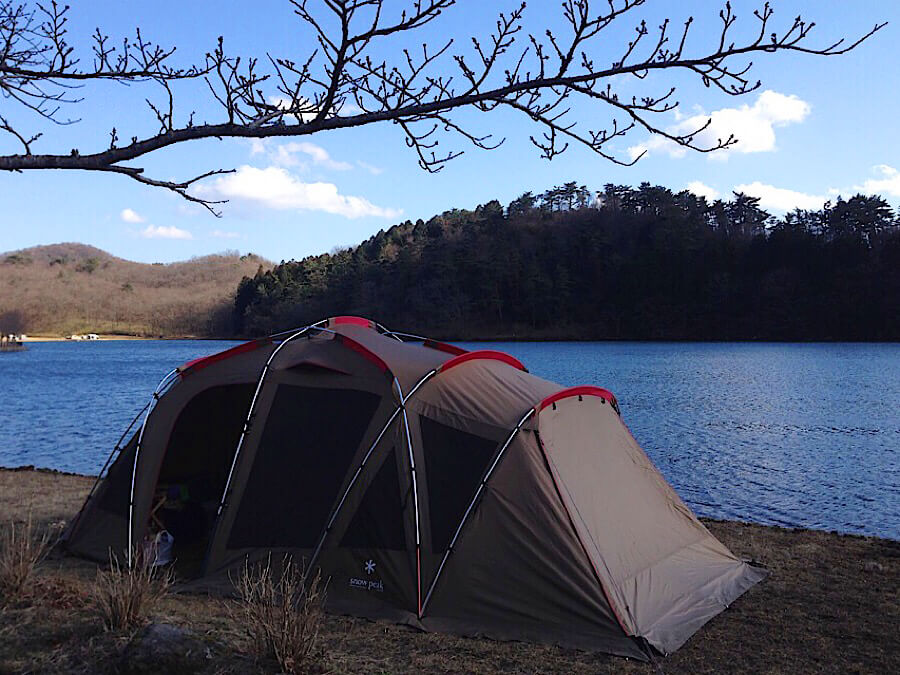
{"x":341,"y":85}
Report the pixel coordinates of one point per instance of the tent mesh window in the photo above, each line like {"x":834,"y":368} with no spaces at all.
{"x":455,"y":462}
{"x":199,"y":453}
{"x":309,"y":440}
{"x":378,"y":521}
{"x":117,"y":484}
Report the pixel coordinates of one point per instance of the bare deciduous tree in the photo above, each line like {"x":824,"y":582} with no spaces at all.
{"x":341,"y":84}
{"x":12,"y":322}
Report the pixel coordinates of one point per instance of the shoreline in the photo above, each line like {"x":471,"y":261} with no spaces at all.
{"x":102,"y":337}
{"x":109,"y":337}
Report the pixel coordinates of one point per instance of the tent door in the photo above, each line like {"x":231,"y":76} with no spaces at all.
{"x":194,"y":470}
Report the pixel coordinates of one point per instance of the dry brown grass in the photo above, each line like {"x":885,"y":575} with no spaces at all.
{"x":73,"y":288}
{"x":21,"y":549}
{"x":281,"y":613}
{"x":124,"y":595}
{"x":830,"y":605}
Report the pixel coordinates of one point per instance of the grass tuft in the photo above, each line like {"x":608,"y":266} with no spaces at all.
{"x":21,"y":549}
{"x":281,"y":613}
{"x":124,"y":595}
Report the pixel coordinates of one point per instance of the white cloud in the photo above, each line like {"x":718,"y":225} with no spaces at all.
{"x":656,"y":144}
{"x":781,"y":199}
{"x":131,"y":216}
{"x":753,"y":127}
{"x":887,"y":184}
{"x":703,"y":190}
{"x":257,"y":146}
{"x":220,"y":234}
{"x":275,"y":188}
{"x":286,"y":155}
{"x":374,"y":170}
{"x":170,"y":232}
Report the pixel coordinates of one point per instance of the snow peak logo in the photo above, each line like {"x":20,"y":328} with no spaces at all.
{"x":368,"y":584}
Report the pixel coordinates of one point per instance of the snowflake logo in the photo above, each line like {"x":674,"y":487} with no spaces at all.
{"x":370,"y":566}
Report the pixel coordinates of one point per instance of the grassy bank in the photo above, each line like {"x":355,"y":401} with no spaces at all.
{"x":831,"y":604}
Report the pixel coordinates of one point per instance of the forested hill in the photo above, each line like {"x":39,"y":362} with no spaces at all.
{"x":640,"y":263}
{"x":73,"y":288}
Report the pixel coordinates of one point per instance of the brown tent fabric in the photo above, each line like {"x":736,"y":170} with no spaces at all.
{"x":449,"y":490}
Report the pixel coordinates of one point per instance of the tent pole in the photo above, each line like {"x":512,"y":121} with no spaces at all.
{"x":465,"y":517}
{"x":118,"y":446}
{"x":250,"y":411}
{"x":259,"y":385}
{"x":365,"y":460}
{"x":359,"y":470}
{"x":109,"y":459}
{"x":385,"y":331}
{"x":137,"y":452}
{"x":415,"y":491}
{"x":149,"y":408}
{"x":398,"y":335}
{"x":275,"y":336}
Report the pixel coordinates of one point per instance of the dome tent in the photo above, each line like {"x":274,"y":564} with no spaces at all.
{"x":447,"y":489}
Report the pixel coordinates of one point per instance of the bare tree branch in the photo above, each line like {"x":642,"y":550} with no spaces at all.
{"x":340,"y":85}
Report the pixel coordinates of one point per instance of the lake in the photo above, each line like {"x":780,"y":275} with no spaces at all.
{"x":804,"y":435}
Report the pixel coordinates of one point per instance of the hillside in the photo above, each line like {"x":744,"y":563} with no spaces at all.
{"x":72,"y":288}
{"x":640,"y":263}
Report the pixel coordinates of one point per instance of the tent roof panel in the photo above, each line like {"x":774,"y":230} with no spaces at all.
{"x":408,"y":361}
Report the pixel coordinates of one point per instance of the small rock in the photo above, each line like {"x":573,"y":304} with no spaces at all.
{"x":163,"y":648}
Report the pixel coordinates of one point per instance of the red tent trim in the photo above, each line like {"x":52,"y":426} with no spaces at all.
{"x":480,"y":354}
{"x":352,"y":320}
{"x":579,"y":391}
{"x":364,"y":351}
{"x":445,"y":347}
{"x":204,"y":361}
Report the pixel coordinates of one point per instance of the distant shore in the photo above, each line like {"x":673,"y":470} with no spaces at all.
{"x":479,"y":338}
{"x":830,"y":605}
{"x":110,"y":337}
{"x":59,"y":338}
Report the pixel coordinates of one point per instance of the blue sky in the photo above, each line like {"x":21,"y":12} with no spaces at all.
{"x":816,"y":128}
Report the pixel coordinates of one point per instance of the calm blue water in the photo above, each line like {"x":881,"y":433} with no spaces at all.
{"x":788,"y":434}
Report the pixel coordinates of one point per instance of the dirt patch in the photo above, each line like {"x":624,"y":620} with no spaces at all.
{"x":830,"y":605}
